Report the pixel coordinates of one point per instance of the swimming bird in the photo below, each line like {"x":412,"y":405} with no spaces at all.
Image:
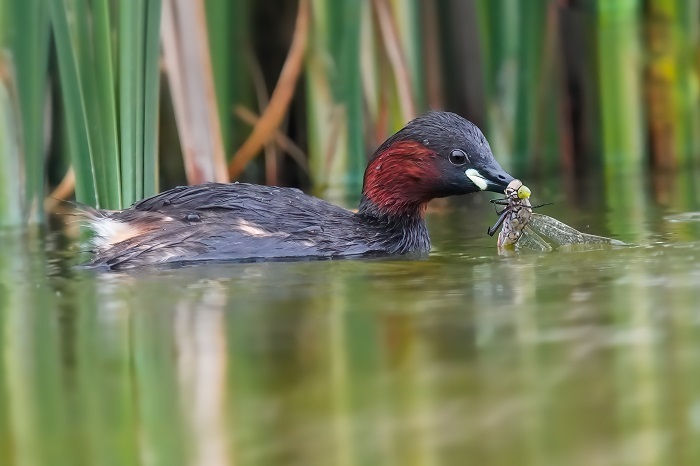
{"x":435,"y":155}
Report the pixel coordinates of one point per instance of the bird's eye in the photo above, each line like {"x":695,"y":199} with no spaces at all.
{"x":458,"y":157}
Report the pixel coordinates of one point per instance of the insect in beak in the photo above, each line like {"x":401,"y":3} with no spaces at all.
{"x":508,"y":202}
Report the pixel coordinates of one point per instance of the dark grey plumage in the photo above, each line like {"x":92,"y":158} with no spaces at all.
{"x":244,"y":221}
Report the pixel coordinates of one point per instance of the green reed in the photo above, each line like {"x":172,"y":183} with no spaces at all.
{"x":334,"y":95}
{"x":619,"y":81}
{"x":520,"y":82}
{"x":363,"y":84}
{"x":228,"y":25}
{"x":673,"y":98}
{"x":108,"y":60}
{"x":24,"y":37}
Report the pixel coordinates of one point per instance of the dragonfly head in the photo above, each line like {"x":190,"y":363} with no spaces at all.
{"x":517,"y":190}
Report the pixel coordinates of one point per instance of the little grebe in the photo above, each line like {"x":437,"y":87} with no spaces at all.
{"x":438,"y":154}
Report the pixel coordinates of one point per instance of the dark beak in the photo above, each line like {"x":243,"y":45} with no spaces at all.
{"x":491,"y":177}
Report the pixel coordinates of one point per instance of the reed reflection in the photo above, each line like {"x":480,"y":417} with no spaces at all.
{"x":565,"y":358}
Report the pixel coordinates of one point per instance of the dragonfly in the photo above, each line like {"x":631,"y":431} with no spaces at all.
{"x":523,"y":228}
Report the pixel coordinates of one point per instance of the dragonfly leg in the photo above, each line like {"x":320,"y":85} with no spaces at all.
{"x":498,"y":223}
{"x":541,"y":205}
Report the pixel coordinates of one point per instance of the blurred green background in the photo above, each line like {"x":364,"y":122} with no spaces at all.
{"x":117,"y":100}
{"x":465,"y":357}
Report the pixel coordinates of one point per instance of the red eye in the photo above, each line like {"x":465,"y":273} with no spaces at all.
{"x":458,"y":157}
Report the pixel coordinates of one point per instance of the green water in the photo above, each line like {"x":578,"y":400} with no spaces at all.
{"x":466,"y":358}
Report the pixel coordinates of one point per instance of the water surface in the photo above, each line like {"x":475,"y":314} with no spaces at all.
{"x":467,"y":357}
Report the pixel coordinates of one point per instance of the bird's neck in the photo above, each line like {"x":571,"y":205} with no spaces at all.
{"x":398,"y":233}
{"x":396,"y":181}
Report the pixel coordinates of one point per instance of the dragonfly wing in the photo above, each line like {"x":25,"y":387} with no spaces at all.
{"x":562,"y":234}
{"x":531,"y":240}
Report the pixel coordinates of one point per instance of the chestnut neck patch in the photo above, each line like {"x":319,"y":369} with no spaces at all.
{"x":398,"y":179}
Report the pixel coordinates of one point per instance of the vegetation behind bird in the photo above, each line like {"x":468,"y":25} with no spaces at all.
{"x":560,"y":89}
